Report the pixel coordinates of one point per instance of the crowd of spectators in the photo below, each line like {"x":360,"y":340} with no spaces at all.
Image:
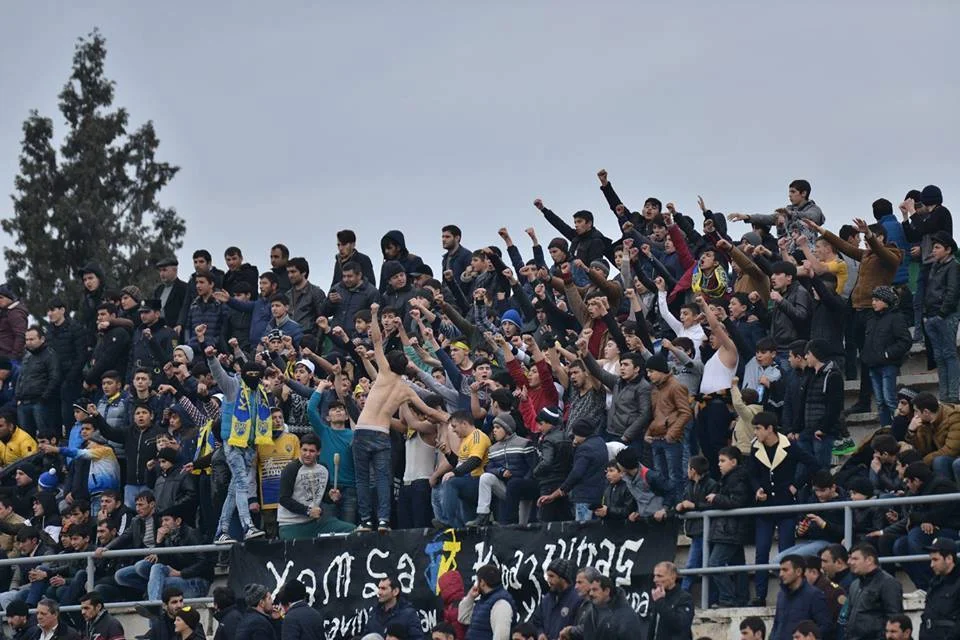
{"x":674,"y":368}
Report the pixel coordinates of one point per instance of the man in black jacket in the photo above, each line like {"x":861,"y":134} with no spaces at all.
{"x":172,"y":291}
{"x":608,"y":615}
{"x":228,"y":613}
{"x":821,"y":400}
{"x":941,"y":612}
{"x":190,"y":572}
{"x":300,"y":620}
{"x":347,"y":253}
{"x":556,"y":460}
{"x":239,"y":271}
{"x":874,"y":596}
{"x":925,"y":521}
{"x":586,"y":242}
{"x":940,"y":306}
{"x":728,"y":535}
{"x":348,"y":296}
{"x":38,"y":387}
{"x":152,"y":341}
{"x":792,"y":310}
{"x":141,"y":533}
{"x":66,"y":338}
{"x":100,"y":624}
{"x":671,"y":608}
{"x":260,"y":621}
{"x":886,"y":344}
{"x":112,"y":348}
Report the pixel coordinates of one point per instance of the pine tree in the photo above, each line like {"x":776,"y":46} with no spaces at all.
{"x":95,"y":201}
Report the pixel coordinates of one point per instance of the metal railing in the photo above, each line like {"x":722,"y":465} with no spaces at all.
{"x":91,"y":557}
{"x":848,"y":506}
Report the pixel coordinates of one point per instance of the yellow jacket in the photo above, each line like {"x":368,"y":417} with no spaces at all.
{"x":20,"y":445}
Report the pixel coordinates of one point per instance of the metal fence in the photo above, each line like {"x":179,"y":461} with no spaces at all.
{"x":848,"y":506}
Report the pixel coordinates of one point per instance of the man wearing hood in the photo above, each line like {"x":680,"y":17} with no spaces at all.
{"x":450,"y":586}
{"x":607,"y":615}
{"x":238,"y":271}
{"x":171,"y":292}
{"x":507,"y":475}
{"x":13,"y":324}
{"x":394,"y":248}
{"x":393,"y":609}
{"x":347,"y":253}
{"x":558,"y":608}
{"x":245,"y":423}
{"x":94,"y":286}
{"x":152,"y":340}
{"x":38,"y":387}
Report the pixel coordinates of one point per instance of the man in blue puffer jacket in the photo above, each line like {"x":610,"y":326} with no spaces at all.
{"x":585,"y":482}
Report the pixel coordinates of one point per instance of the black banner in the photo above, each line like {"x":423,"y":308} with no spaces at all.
{"x":341,"y":573}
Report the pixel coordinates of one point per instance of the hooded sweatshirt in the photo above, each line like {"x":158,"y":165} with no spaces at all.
{"x":409,"y":261}
{"x":450,"y":586}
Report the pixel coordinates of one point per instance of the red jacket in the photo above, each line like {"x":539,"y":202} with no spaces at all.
{"x":452,"y":591}
{"x":543,"y":396}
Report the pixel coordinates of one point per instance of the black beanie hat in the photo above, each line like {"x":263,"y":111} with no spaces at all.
{"x":391,"y":268}
{"x":628,"y":459}
{"x":931,"y":195}
{"x":820,"y":349}
{"x":658,"y":362}
{"x":583,"y":427}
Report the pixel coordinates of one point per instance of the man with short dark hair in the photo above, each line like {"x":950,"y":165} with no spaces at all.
{"x":753,"y":628}
{"x":66,"y":338}
{"x":38,"y":387}
{"x":833,"y":560}
{"x":279,"y":255}
{"x":112,"y":347}
{"x":899,"y":627}
{"x":260,"y":621}
{"x":393,"y":608}
{"x":792,"y":310}
{"x":797,"y":601}
{"x":807,"y":630}
{"x":238,"y":271}
{"x":488,"y":608}
{"x":941,"y":611}
{"x":457,"y":257}
{"x":347,"y":253}
{"x":608,"y":616}
{"x":834,"y":593}
{"x":351,"y":294}
{"x":100,"y":624}
{"x":874,"y":596}
{"x":818,"y":529}
{"x":586,"y":242}
{"x":941,"y":317}
{"x":560,"y":606}
{"x":306,"y":298}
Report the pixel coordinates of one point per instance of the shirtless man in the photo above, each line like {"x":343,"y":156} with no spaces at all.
{"x":371,"y":436}
{"x":713,"y":421}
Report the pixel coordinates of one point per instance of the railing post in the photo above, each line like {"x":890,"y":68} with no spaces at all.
{"x":91,"y":569}
{"x":848,"y":526}
{"x":704,"y":563}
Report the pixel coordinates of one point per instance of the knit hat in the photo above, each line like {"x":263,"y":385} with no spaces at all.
{"x":753,"y":238}
{"x":550,"y":415}
{"x":583,"y":427}
{"x":602,"y":265}
{"x":134,"y":292}
{"x":506,"y":422}
{"x":168,"y":454}
{"x":657,"y":362}
{"x":559,"y":243}
{"x":187,"y":351}
{"x":17,"y":608}
{"x":944,"y":239}
{"x":29,"y":469}
{"x":820,"y":349}
{"x":563,"y":569}
{"x":190,"y":617}
{"x":907,"y":394}
{"x":887,"y":294}
{"x":628,"y":459}
{"x":512,"y":316}
{"x":253,"y":593}
{"x":861,"y":485}
{"x":390,"y":269}
{"x":7,"y":292}
{"x":48,"y":480}
{"x":931,"y":195}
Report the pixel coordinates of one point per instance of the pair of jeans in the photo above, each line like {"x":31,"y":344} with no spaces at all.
{"x":36,"y":418}
{"x":460,"y":495}
{"x":694,"y":561}
{"x":723,"y":591}
{"x":135,"y":576}
{"x":668,"y":463}
{"x":239,"y":460}
{"x":346,"y":509}
{"x":942,"y":333}
{"x":821,"y":449}
{"x":160,"y":578}
{"x":582,"y":512}
{"x":946,"y":466}
{"x":371,"y":460}
{"x":130,"y":492}
{"x":915,"y":543}
{"x":765,"y":525}
{"x":804,"y":549}
{"x":414,"y":509}
{"x":884,"y":380}
{"x":511,"y":493}
{"x":326,"y":523}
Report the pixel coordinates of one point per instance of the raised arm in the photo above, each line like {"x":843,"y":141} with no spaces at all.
{"x":377,"y":336}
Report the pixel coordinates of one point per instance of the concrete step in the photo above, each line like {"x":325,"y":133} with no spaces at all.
{"x":925,"y":381}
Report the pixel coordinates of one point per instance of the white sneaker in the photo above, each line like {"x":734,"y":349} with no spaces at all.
{"x":253,"y":533}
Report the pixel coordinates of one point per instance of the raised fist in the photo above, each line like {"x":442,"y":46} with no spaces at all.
{"x":538,"y":203}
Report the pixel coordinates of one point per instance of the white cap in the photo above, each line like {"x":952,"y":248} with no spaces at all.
{"x":308,"y":364}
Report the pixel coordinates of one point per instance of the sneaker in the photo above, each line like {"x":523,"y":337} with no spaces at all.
{"x":224,"y":538}
{"x":383,"y":526}
{"x":844,"y":447}
{"x":253,"y":533}
{"x":483,"y":520}
{"x":366,"y":525}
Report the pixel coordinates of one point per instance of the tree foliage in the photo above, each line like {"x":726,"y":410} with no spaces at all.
{"x":94,"y":201}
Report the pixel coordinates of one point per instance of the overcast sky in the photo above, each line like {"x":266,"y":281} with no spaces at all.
{"x":295,"y":121}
